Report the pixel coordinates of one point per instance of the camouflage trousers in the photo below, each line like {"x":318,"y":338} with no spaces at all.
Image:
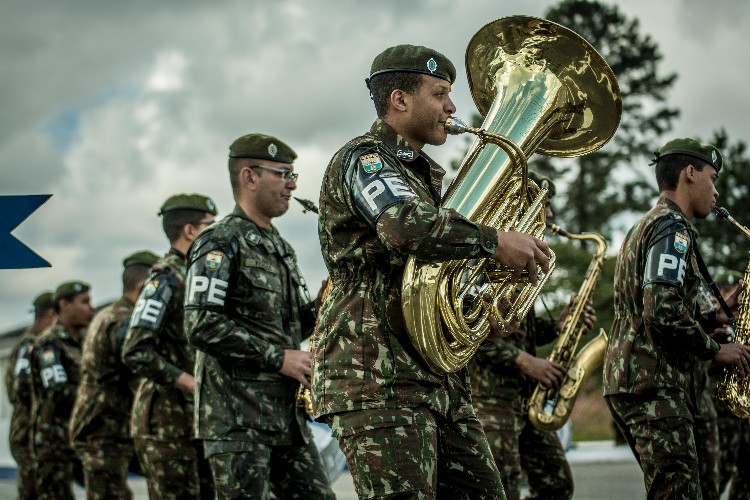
{"x":263,"y":472}
{"x":26,"y":472}
{"x":55,"y":476}
{"x":740,"y":485}
{"x":174,"y":469}
{"x":730,"y":433}
{"x":706,"y":433}
{"x":105,"y":468}
{"x":416,"y":453}
{"x":663,"y":444}
{"x":517,"y":446}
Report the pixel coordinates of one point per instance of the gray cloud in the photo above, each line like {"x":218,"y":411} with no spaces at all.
{"x":112,"y":107}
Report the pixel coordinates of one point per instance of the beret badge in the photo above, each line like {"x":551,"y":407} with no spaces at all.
{"x":272,"y":150}
{"x":432,"y":65}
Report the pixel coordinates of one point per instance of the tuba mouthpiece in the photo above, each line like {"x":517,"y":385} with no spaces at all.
{"x":455,"y":126}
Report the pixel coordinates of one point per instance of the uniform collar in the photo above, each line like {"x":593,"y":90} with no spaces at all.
{"x":394,"y":141}
{"x":672,"y":206}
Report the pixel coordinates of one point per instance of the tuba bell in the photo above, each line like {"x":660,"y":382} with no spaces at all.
{"x":541,"y":88}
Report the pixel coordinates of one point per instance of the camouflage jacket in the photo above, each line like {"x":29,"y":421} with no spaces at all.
{"x":104,"y":397}
{"x":156,"y":348}
{"x":243,"y":308}
{"x":656,"y":337}
{"x":55,"y":368}
{"x":18,"y":384}
{"x":494,"y":372}
{"x":379,"y":204}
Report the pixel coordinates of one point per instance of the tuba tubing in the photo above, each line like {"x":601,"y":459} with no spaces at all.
{"x":541,"y":87}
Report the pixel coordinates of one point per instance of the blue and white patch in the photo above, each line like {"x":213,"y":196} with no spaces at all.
{"x":371,"y":163}
{"x":405,"y":154}
{"x":681,"y":242}
{"x":149,"y":289}
{"x":666,"y":260}
{"x":432,"y":65}
{"x":374,"y":193}
{"x":213,"y":260}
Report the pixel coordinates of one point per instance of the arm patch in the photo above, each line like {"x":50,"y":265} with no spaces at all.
{"x":51,"y":369}
{"x":208,"y":280}
{"x":153,"y":301}
{"x":375,"y":184}
{"x":667,"y":256}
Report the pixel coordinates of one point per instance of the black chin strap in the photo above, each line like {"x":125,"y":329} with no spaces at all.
{"x":712,"y":285}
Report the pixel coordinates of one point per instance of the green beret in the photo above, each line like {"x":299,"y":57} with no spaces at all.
{"x":70,"y":288}
{"x":413,"y":59}
{"x":189,"y":202}
{"x":142,"y":258}
{"x":705,"y":152}
{"x":264,"y":147}
{"x":543,"y":182}
{"x":43,"y":301}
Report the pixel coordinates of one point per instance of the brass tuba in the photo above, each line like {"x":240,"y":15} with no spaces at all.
{"x":734,"y":390}
{"x":549,"y":408}
{"x":541,"y":87}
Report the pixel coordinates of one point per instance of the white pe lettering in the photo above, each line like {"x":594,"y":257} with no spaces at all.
{"x":215,"y":287}
{"x":398,"y":187}
{"x":22,"y":366}
{"x":148,"y":309}
{"x":670,"y":262}
{"x":53,"y":374}
{"x":371,"y":191}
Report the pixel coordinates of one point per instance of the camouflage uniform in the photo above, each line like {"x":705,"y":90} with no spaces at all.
{"x":18,"y":383}
{"x":740,"y":486}
{"x":162,"y":416}
{"x":99,"y":424}
{"x":55,"y":367}
{"x":242,"y":310}
{"x":402,"y":428}
{"x":654,"y":345}
{"x":500,"y":391}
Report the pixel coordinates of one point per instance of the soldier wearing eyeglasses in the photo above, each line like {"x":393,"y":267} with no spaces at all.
{"x":246,"y":311}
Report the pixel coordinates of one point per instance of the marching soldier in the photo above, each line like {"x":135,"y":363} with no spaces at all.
{"x":98,"y":424}
{"x":55,"y":367}
{"x":18,"y":383}
{"x":157,"y":350}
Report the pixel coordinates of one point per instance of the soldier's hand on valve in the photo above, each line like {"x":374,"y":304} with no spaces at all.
{"x":522,"y":252}
{"x":297,"y":365}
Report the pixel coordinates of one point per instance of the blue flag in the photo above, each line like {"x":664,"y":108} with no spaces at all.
{"x":13,"y":211}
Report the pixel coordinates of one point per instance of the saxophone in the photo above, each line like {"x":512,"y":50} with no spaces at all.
{"x":577,"y":367}
{"x":304,"y":395}
{"x":734,"y":390}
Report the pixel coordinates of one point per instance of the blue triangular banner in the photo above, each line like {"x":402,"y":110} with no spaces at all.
{"x":13,"y":211}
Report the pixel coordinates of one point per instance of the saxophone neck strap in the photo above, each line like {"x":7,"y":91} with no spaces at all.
{"x":712,"y":285}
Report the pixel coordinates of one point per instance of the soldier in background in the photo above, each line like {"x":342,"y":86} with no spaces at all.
{"x":99,"y":424}
{"x":504,"y":374}
{"x":157,"y":349}
{"x":18,"y":385}
{"x":246,"y":311}
{"x":55,"y":367}
{"x":657,"y":337}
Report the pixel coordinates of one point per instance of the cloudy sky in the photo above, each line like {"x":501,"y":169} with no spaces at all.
{"x":111,"y":107}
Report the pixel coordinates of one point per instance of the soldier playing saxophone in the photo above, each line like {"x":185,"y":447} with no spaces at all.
{"x":658,"y":336}
{"x":503,"y":376}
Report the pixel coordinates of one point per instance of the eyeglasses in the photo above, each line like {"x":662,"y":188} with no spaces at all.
{"x":285,"y":174}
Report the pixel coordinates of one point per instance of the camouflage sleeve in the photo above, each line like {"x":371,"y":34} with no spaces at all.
{"x":140,"y":351}
{"x":207,"y":324}
{"x":499,"y":353}
{"x":405,"y":222}
{"x":663,"y":293}
{"x":55,"y":383}
{"x":19,"y":373}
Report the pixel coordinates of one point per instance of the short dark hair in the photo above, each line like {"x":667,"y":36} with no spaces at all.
{"x":174,"y":220}
{"x":668,"y":169}
{"x":383,"y":85}
{"x":133,"y":276}
{"x":41,"y":310}
{"x":235,"y":165}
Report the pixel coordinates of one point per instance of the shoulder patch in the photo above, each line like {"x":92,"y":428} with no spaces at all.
{"x":213,"y":260}
{"x":681,"y":242}
{"x":252,"y":237}
{"x":371,"y":163}
{"x":149,"y":289}
{"x":48,"y":356}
